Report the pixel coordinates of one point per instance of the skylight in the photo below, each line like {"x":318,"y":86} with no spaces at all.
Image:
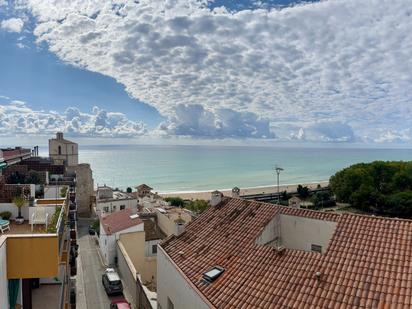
{"x":134,"y":216}
{"x":213,"y":273}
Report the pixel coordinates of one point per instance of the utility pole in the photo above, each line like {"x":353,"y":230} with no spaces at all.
{"x":278,"y":170}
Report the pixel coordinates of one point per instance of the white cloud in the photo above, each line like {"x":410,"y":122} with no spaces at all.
{"x":194,"y":120}
{"x":16,"y":117}
{"x":341,"y":62}
{"x":12,"y":25}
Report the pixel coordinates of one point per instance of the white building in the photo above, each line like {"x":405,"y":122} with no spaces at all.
{"x":112,"y":226}
{"x":63,"y":151}
{"x":109,"y":200}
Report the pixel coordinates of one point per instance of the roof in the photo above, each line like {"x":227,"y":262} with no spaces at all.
{"x":119,"y":221}
{"x":366,"y":265}
{"x":143,"y":187}
{"x":152,"y":231}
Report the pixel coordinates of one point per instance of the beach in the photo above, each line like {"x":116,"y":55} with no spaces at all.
{"x":205,"y":195}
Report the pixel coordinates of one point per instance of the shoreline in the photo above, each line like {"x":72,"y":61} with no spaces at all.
{"x":205,"y":194}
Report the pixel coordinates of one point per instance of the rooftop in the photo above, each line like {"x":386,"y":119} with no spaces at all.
{"x":152,"y":231}
{"x":119,"y":221}
{"x":366,"y":264}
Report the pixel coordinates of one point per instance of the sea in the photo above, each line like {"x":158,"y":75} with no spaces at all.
{"x":169,"y":168}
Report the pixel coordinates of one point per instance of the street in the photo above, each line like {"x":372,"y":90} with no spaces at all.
{"x":91,"y":290}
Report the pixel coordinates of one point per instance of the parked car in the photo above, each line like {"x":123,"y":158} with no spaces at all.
{"x":111,"y":282}
{"x":120,"y":304}
{"x":91,"y":230}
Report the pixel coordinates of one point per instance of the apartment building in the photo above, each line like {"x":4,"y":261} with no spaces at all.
{"x":109,"y":200}
{"x":37,"y":268}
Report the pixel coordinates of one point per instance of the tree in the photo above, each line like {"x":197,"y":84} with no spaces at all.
{"x":381,"y":187}
{"x":284,"y":195}
{"x":129,"y":190}
{"x":303,"y":192}
{"x":175,"y":201}
{"x":197,"y":206}
{"x":19,"y":202}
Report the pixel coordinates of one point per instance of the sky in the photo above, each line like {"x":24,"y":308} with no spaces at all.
{"x":333,"y":71}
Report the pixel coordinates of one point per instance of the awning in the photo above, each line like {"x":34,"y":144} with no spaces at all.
{"x":3,"y":165}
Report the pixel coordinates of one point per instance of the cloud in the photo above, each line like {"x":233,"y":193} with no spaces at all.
{"x":331,"y":64}
{"x":17,"y":118}
{"x":193,"y":120}
{"x":12,"y":24}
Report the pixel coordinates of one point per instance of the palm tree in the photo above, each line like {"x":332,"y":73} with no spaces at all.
{"x":19,"y":201}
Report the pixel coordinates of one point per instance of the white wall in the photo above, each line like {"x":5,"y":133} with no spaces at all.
{"x":14,"y":211}
{"x":148,"y":246}
{"x":107,"y":243}
{"x":4,"y":291}
{"x":300,"y":232}
{"x":115,"y":205}
{"x":171,"y":284}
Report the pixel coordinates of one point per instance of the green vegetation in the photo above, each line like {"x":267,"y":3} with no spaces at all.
{"x":175,"y":201}
{"x":32,"y":178}
{"x":378,"y":187}
{"x":129,"y":190}
{"x":197,"y":206}
{"x":52,"y":227}
{"x":96,"y":226}
{"x":19,"y":202}
{"x":63,"y":191}
{"x":5,"y":215}
{"x":303,"y":192}
{"x":322,"y":199}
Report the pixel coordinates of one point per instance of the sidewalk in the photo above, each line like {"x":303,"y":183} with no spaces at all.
{"x":81,"y":296}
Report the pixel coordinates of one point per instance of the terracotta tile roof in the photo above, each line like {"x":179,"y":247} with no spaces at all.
{"x":368,"y":263}
{"x":119,"y":221}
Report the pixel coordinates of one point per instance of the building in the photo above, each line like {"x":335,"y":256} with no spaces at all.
{"x":172,"y":220}
{"x":143,"y":190}
{"x":63,"y":151}
{"x":251,"y":254}
{"x":109,"y":200}
{"x":85,"y":186}
{"x":112,"y":226}
{"x":39,"y":262}
{"x":10,"y":156}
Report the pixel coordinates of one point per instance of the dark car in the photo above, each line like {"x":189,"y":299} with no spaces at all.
{"x":120,"y":304}
{"x":91,"y":230}
{"x":111,"y":282}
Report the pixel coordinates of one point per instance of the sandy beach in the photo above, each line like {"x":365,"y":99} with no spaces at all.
{"x":205,"y":195}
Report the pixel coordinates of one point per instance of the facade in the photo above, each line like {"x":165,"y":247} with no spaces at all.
{"x":35,"y":262}
{"x":85,"y":186}
{"x":250,"y":254}
{"x":63,"y":151}
{"x":10,"y":156}
{"x":112,"y":226}
{"x":109,"y":200}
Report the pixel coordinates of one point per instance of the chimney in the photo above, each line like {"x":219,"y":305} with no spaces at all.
{"x":59,"y":135}
{"x":235,"y":192}
{"x":216,"y":198}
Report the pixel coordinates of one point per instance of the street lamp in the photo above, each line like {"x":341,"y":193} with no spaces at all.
{"x":278,"y":170}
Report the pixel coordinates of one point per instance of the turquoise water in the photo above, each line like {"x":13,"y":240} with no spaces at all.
{"x":195,"y":168}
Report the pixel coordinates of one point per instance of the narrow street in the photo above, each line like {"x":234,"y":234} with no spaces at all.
{"x":91,"y":293}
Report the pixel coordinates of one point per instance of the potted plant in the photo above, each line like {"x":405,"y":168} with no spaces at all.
{"x":19,"y":201}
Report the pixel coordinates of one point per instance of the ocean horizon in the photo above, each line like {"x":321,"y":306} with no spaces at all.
{"x":172,"y":168}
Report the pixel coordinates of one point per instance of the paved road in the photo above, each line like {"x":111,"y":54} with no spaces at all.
{"x":90,"y":291}
{"x":92,"y":269}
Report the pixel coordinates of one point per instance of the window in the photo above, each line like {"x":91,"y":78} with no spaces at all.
{"x":316,"y":248}
{"x":213,"y":273}
{"x":60,"y":150}
{"x":170,"y":304}
{"x":122,"y":207}
{"x":106,"y":208}
{"x":114,"y":208}
{"x":154,"y":249}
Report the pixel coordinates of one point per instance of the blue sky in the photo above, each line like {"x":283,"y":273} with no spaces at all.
{"x":294,"y":71}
